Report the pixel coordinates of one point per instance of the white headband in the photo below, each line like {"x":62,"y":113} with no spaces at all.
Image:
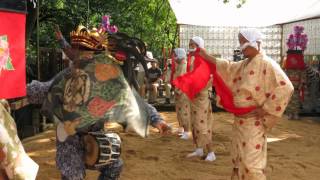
{"x":181,"y":53}
{"x":199,"y":41}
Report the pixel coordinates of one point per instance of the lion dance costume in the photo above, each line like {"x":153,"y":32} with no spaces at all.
{"x":82,"y":98}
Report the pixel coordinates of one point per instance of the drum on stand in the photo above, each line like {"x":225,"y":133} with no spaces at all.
{"x":101,"y":148}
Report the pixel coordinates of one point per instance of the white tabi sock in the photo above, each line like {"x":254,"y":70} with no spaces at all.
{"x":180,"y":131}
{"x":211,"y":157}
{"x":197,"y":152}
{"x":185,"y":135}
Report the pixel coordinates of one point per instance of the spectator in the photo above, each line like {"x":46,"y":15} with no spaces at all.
{"x":153,"y":81}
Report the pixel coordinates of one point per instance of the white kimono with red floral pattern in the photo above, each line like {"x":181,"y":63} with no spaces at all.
{"x":261,"y":83}
{"x":181,"y":100}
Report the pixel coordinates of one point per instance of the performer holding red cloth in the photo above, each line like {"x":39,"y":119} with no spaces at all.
{"x":195,"y":85}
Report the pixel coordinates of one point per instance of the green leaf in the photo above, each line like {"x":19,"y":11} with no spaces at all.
{"x":9,"y":65}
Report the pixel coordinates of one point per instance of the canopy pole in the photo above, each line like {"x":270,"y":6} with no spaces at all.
{"x":38,"y":42}
{"x":282,"y":42}
{"x":88,"y":12}
{"x":178,"y":31}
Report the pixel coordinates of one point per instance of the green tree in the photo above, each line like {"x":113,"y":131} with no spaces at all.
{"x":153,"y":21}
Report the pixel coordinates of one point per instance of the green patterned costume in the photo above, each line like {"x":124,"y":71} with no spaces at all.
{"x":96,"y":92}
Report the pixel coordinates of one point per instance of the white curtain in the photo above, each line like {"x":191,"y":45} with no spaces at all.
{"x":253,"y":13}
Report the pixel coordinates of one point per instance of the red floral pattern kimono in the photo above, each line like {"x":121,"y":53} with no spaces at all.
{"x":260,"y":83}
{"x":196,"y":89}
{"x":181,"y":100}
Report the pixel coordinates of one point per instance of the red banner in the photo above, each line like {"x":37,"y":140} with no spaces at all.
{"x":12,"y":55}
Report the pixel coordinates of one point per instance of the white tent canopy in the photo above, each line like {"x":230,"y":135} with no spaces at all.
{"x":253,"y":13}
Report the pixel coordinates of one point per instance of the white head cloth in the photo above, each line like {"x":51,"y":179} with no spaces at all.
{"x":253,"y":36}
{"x":180,"y":53}
{"x":199,"y":41}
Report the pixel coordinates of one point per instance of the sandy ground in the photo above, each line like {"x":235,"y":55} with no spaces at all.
{"x":293,"y":153}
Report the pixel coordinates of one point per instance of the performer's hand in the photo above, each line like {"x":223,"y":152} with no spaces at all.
{"x":260,"y":113}
{"x":163,"y":128}
{"x":270,"y":121}
{"x":203,"y":53}
{"x":57,"y":32}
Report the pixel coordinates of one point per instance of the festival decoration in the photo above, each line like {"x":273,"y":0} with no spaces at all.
{"x":106,"y":26}
{"x":298,"y":40}
{"x":297,"y":43}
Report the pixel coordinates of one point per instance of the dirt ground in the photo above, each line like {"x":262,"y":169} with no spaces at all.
{"x":293,"y":153}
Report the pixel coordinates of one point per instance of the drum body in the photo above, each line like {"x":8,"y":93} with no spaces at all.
{"x":101,"y":148}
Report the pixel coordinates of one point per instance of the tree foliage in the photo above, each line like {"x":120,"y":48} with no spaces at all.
{"x":153,"y":21}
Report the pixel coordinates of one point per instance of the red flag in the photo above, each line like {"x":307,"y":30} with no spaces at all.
{"x":12,"y":55}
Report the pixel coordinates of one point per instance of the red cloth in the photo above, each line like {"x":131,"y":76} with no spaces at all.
{"x":193,"y":82}
{"x":226,"y":97}
{"x":13,"y":82}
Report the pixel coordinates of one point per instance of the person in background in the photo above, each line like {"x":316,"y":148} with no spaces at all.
{"x":141,"y":77}
{"x":298,"y":80}
{"x":237,"y":55}
{"x":167,"y":80}
{"x":181,"y":100}
{"x":139,"y":71}
{"x":153,"y":81}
